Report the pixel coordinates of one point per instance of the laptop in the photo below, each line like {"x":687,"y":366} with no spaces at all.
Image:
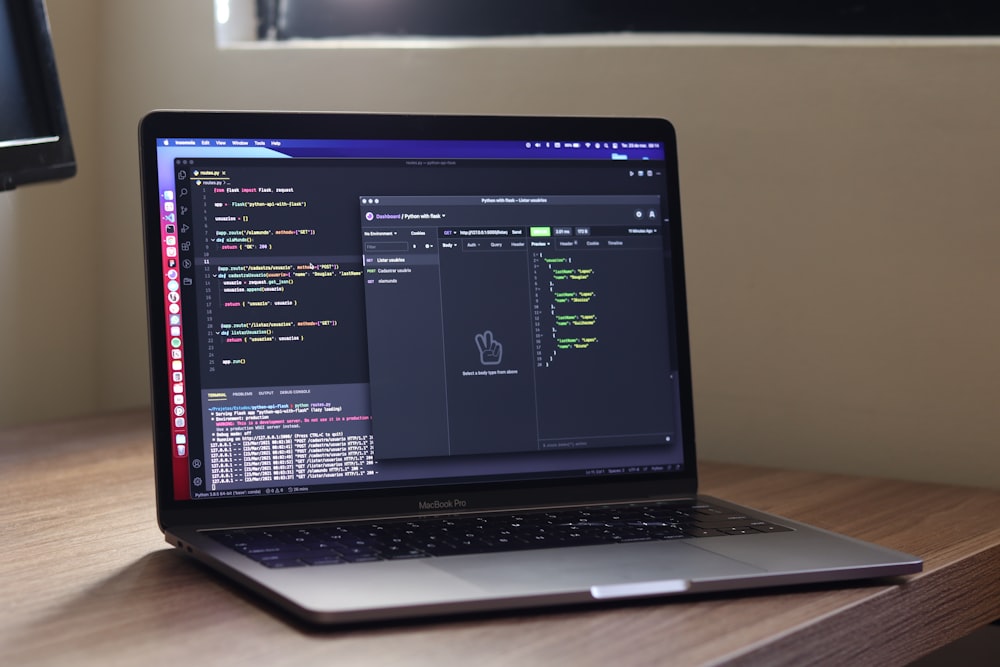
{"x":407,"y":366}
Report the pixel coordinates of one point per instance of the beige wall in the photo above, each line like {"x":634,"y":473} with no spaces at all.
{"x":840,"y":204}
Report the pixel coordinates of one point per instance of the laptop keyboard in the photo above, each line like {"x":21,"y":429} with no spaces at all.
{"x":329,"y":544}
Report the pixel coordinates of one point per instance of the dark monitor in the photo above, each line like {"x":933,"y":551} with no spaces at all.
{"x":34,"y":134}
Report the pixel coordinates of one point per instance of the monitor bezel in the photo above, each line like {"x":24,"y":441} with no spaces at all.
{"x":48,"y":155}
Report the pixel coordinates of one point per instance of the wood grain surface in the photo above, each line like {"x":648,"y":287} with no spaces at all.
{"x":87,"y":579}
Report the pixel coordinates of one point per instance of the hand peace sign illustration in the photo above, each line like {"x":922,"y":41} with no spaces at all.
{"x":490,"y":349}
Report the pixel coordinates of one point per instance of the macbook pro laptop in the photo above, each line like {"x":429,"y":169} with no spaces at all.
{"x":417,"y":365}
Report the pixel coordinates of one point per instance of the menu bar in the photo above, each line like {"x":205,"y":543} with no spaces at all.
{"x":417,"y":149}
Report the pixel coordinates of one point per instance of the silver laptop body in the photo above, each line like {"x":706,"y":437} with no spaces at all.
{"x":401,"y":330}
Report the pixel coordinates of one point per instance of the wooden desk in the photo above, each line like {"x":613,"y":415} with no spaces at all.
{"x":87,"y":579}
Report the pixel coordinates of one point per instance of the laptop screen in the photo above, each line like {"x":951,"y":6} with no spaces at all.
{"x":342,"y":312}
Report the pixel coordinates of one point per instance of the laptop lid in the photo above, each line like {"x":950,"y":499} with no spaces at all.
{"x":366,"y":315}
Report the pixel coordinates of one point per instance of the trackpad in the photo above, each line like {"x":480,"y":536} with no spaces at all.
{"x":584,"y":568}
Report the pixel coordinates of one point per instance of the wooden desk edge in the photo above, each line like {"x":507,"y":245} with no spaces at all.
{"x":958,"y":592}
